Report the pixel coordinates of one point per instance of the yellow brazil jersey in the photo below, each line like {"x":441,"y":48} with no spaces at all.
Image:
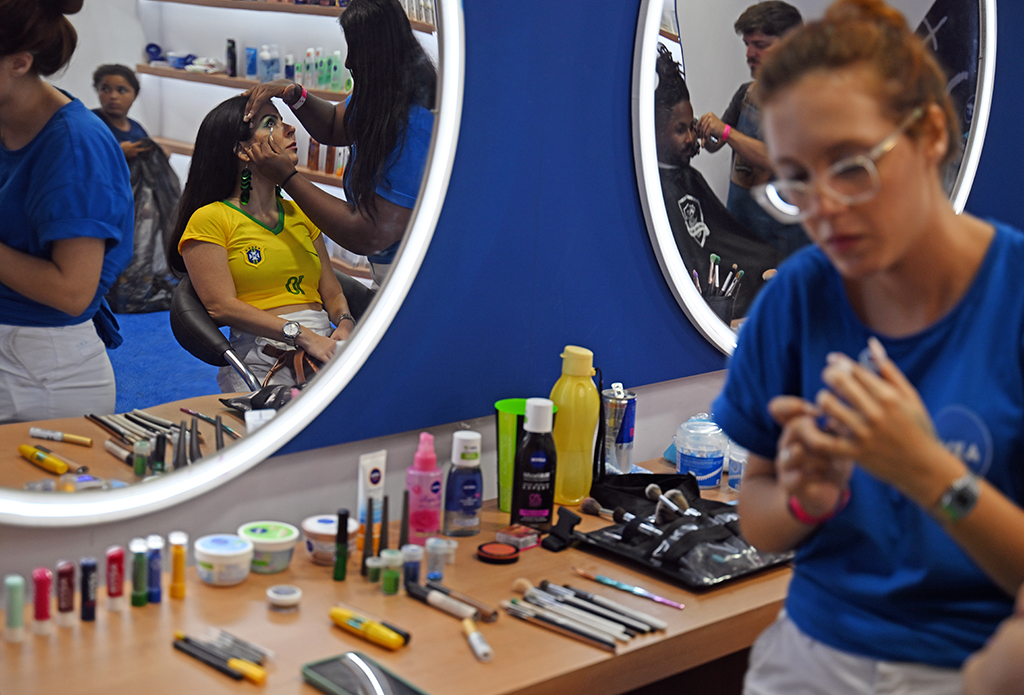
{"x":270,"y":267}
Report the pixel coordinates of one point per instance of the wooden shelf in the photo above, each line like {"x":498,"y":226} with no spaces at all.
{"x":220,"y":79}
{"x":270,"y":6}
{"x":185,"y":148}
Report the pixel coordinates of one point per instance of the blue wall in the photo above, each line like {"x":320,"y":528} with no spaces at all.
{"x":542,"y":241}
{"x":997,"y":188}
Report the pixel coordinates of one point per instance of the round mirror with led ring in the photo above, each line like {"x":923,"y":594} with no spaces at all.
{"x":701,"y":24}
{"x":23,"y":508}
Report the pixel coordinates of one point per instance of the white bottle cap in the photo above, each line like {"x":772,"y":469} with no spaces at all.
{"x":289,"y":59}
{"x":154,"y":541}
{"x":14,"y":634}
{"x":466,"y":449}
{"x":115,"y":604}
{"x":538,"y":415}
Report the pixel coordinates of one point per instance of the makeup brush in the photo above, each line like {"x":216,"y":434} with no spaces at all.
{"x":621,"y":516}
{"x":548,"y":602}
{"x":591,"y":506}
{"x":667,"y":510}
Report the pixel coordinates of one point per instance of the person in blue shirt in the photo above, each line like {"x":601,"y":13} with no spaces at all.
{"x":879,"y":381}
{"x":388,"y":122}
{"x":66,"y":231}
{"x":118,"y":88}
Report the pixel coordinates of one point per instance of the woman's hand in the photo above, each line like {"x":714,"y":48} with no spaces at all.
{"x":273,"y":165}
{"x":804,"y":466}
{"x":318,"y":346}
{"x":883,"y":422}
{"x":286,"y":90}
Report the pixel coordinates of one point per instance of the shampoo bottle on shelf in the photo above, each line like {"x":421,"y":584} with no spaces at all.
{"x":423,"y":480}
{"x":533,"y":479}
{"x":578,"y":404}
{"x":463,"y":490}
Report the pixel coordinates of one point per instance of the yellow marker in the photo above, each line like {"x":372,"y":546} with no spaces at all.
{"x":369,"y":630}
{"x":42,"y":459}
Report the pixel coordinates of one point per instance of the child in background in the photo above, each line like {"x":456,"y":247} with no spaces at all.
{"x":118,"y":87}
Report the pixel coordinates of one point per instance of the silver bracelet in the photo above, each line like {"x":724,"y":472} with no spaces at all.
{"x":344,"y":316}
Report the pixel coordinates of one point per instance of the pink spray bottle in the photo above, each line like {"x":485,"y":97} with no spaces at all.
{"x":423,"y":480}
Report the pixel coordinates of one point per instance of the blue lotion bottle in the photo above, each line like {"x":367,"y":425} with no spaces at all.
{"x":463,"y":492}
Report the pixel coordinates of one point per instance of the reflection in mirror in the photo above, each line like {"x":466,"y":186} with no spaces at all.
{"x":694,"y":195}
{"x":88,"y":507}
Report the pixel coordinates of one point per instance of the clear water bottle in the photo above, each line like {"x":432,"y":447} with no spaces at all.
{"x":701,"y":447}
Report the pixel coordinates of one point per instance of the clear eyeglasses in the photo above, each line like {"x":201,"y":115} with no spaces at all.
{"x":849,"y":181}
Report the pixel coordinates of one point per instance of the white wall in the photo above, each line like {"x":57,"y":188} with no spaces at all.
{"x":290,"y":488}
{"x":715,"y":61}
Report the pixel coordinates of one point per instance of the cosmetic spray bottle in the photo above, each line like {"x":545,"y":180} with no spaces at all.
{"x":337,"y":72}
{"x":533,"y":479}
{"x":308,"y":69}
{"x":289,"y":67}
{"x":423,"y":480}
{"x":463,"y":490}
{"x":578,"y":404}
{"x":263,"y":64}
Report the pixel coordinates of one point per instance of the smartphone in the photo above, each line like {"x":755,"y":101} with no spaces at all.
{"x":353,"y":673}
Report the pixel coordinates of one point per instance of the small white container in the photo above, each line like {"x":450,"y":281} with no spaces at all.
{"x":737,"y":465}
{"x":223,"y":559}
{"x":273,"y":544}
{"x":320,"y":533}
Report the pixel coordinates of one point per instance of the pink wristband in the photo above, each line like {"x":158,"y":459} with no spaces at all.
{"x":299,"y":102}
{"x":725,"y":133}
{"x":801,"y":515}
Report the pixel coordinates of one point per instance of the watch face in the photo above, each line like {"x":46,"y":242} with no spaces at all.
{"x":291,"y":330}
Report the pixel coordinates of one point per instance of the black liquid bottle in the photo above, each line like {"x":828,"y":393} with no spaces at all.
{"x":533,"y":481}
{"x":231,"y":59}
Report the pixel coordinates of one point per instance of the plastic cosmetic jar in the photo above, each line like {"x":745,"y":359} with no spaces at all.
{"x":273,"y":544}
{"x":223,"y":559}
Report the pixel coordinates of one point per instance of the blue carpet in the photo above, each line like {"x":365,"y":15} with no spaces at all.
{"x":151,"y":368}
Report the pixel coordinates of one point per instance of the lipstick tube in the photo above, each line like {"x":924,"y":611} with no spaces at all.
{"x":115,"y":578}
{"x":42,"y":580}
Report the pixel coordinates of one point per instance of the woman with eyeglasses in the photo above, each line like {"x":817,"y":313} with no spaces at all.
{"x":879,"y":381}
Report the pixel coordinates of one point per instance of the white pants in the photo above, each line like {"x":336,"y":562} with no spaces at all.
{"x":785,"y":661}
{"x":250,"y":348}
{"x":53,"y":372}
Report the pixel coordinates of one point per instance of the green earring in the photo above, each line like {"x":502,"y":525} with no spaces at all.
{"x":246,"y":185}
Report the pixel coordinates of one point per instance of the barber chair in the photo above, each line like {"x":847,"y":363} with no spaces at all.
{"x":199,"y":334}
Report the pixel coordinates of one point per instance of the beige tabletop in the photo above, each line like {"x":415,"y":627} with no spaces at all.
{"x":131,"y":651}
{"x":15,"y":471}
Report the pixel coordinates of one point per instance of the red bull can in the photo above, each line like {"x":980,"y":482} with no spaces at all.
{"x":619,"y":422}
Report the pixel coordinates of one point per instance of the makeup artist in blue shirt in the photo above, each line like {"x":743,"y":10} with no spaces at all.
{"x":387,"y":120}
{"x":66,"y":225}
{"x":899,"y":490}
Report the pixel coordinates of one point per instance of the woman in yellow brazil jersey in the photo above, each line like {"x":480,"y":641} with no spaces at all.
{"x":256,"y":261}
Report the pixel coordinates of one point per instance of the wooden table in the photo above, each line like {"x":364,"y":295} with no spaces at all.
{"x":15,"y":471}
{"x":131,"y":651}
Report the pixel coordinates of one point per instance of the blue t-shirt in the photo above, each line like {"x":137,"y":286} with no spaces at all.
{"x":403,"y":169}
{"x":134,"y":133}
{"x":882,"y":578}
{"x":71,"y":181}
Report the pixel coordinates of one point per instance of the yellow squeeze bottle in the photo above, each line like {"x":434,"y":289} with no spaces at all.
{"x":578,"y":403}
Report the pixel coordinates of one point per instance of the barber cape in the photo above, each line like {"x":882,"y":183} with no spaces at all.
{"x":702,"y":225}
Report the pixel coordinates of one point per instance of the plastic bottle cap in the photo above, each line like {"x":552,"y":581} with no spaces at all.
{"x":284,"y":596}
{"x":466,"y":449}
{"x":538,"y":415}
{"x":177,"y":538}
{"x":154,"y":541}
{"x":577,"y":361}
{"x":425,"y":459}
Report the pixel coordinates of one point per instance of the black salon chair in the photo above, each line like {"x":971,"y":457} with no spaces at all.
{"x":199,"y":334}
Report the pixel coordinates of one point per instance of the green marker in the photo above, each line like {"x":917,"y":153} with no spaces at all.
{"x":341,"y":546}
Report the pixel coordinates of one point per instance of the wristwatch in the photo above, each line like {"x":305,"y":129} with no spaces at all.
{"x":344,"y":316}
{"x":291,"y":331}
{"x":959,"y":498}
